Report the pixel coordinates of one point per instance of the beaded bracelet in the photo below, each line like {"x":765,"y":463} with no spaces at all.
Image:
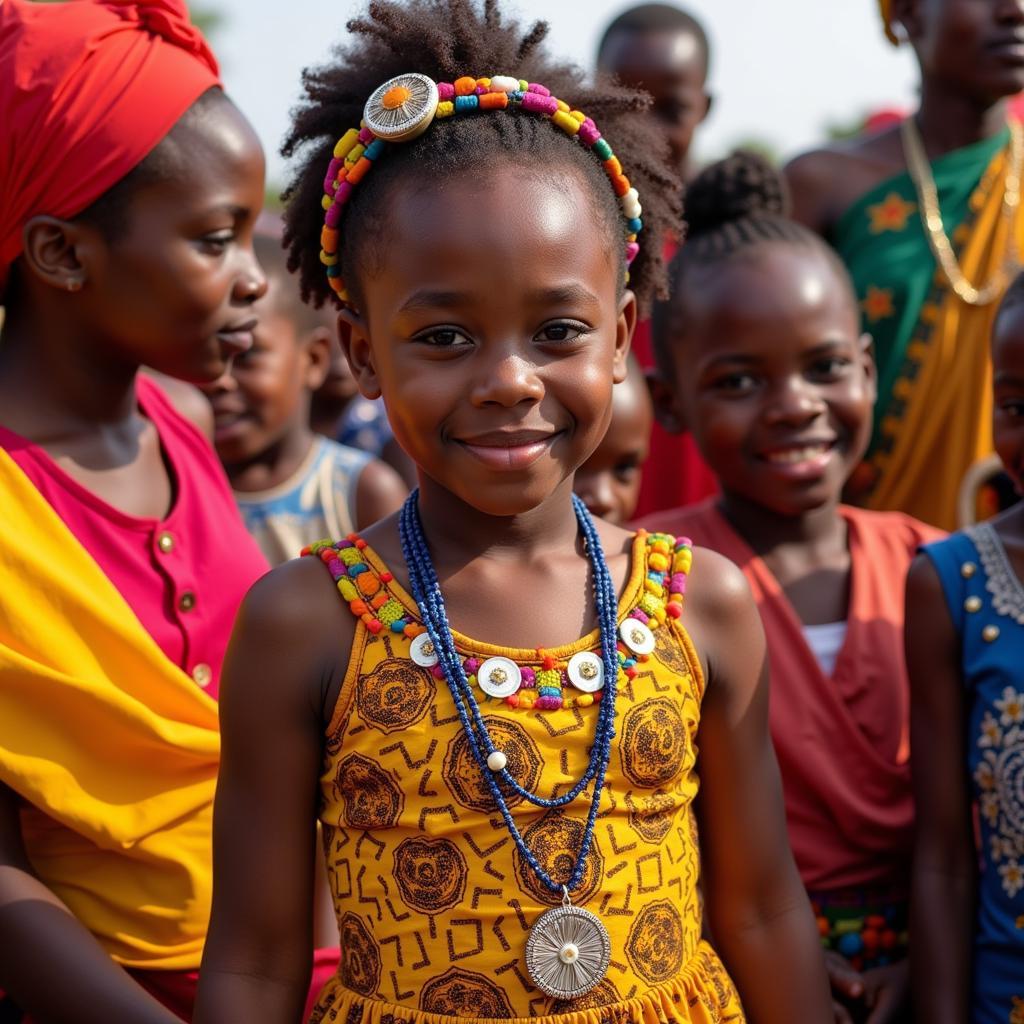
{"x":404,"y":107}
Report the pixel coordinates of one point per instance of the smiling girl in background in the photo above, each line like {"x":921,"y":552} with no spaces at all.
{"x":762,"y":358}
{"x":130,"y":187}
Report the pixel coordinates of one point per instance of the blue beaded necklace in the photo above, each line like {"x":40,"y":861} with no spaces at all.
{"x":426,"y":590}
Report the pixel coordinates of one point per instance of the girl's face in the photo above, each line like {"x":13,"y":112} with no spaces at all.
{"x":492,"y":327}
{"x":1008,"y":384}
{"x":174,"y":289}
{"x":774,"y":378}
{"x":975,"y":45}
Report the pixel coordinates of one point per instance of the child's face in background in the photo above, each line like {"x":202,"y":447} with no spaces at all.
{"x":265,"y":393}
{"x":774,"y":379}
{"x":494,"y":331}
{"x":609,"y":481}
{"x":175,"y":289}
{"x":670,"y":65}
{"x":1008,"y":392}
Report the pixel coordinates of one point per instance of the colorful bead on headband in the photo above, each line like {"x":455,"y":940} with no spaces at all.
{"x":404,"y":107}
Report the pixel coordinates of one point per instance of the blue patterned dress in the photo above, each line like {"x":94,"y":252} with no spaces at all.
{"x":986,"y":603}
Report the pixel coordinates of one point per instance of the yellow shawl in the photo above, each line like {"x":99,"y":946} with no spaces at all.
{"x":113,"y":748}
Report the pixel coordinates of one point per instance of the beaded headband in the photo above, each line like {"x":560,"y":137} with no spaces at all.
{"x":404,"y":107}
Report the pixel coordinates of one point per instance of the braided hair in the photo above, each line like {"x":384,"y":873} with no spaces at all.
{"x":445,"y":39}
{"x":733,"y":209}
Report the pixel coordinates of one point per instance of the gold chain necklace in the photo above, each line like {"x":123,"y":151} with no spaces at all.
{"x":931,"y":215}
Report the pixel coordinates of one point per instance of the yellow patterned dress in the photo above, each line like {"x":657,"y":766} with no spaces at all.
{"x":434,"y":902}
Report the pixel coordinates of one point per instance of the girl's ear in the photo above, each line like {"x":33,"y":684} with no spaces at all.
{"x":624,"y":329}
{"x":866,"y":345}
{"x":56,"y":251}
{"x":318,"y":356}
{"x":666,"y":408}
{"x":355,"y":343}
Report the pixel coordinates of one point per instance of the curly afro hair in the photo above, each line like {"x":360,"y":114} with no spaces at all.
{"x":446,"y":39}
{"x":733,"y":207}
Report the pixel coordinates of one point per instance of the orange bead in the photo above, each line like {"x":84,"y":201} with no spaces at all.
{"x":359,"y":608}
{"x":619,"y":182}
{"x":612,"y":166}
{"x":493,"y":100}
{"x":823,"y":927}
{"x":379,"y":601}
{"x":395,"y":97}
{"x":367,"y":583}
{"x":329,"y":239}
{"x":355,"y":175}
{"x":464,"y":86}
{"x":359,"y":543}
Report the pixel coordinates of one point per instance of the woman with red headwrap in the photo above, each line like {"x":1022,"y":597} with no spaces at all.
{"x":129,"y":186}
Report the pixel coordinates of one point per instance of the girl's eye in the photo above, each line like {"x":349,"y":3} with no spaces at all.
{"x":1013,"y":407}
{"x":560,"y":332}
{"x":444,"y":337}
{"x":215,"y":244}
{"x":735,"y":383}
{"x":829,"y":369}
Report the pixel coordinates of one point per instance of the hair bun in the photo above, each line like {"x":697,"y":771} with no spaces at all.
{"x":742,"y":186}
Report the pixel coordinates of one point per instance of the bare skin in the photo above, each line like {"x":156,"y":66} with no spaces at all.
{"x":532,"y":364}
{"x":173,"y":292}
{"x":965,"y":80}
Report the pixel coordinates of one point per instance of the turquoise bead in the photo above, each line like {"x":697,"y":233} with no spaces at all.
{"x":602,"y":149}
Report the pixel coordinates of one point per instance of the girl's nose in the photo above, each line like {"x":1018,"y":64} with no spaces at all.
{"x":507,"y":380}
{"x":251,"y":282}
{"x":797,"y":401}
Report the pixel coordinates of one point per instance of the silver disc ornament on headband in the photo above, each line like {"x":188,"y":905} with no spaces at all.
{"x":568,"y":951}
{"x":402,"y":107}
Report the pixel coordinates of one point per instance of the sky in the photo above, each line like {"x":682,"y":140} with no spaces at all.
{"x":782,"y":71}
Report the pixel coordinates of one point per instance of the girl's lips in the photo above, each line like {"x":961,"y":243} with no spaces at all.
{"x":516,"y":456}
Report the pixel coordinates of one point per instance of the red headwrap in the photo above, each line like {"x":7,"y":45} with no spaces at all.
{"x":87,"y":89}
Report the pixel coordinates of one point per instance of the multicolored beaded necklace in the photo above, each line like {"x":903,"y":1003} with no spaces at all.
{"x":568,"y":950}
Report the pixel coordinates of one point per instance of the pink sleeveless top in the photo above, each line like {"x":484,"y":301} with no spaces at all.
{"x":185,"y":575}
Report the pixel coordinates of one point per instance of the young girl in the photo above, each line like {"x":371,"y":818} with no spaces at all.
{"x":965,"y":652}
{"x":506,"y":751}
{"x":130,"y":185}
{"x":762,"y":359}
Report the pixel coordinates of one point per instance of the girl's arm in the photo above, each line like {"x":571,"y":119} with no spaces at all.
{"x":944,"y":872}
{"x":281,"y":670}
{"x":52,"y":966}
{"x":761,"y":921}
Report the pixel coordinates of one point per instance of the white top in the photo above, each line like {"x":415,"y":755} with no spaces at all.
{"x":826,"y":641}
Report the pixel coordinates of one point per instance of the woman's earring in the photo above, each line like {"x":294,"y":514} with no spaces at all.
{"x":74,"y":284}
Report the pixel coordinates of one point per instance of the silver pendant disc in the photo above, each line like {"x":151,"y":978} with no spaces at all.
{"x":567,"y":952}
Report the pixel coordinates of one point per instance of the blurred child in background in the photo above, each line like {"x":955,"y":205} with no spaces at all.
{"x":292,"y":486}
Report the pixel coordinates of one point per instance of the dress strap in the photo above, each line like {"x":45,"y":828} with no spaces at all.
{"x":365,"y":591}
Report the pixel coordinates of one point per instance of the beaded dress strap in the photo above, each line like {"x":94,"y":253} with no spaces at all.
{"x":364,"y":591}
{"x":546,"y":683}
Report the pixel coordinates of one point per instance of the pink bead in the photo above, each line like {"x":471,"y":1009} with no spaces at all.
{"x":677,"y":585}
{"x":343,"y":544}
{"x":548,"y":703}
{"x":366,"y":136}
{"x":540,"y":90}
{"x":632,"y":248}
{"x":641,"y":616}
{"x":333,"y":216}
{"x":588,"y":133}
{"x":471,"y":665}
{"x":445,"y":90}
{"x":539,"y":104}
{"x":529,"y":677}
{"x":341,"y":196}
{"x":437,"y":672}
